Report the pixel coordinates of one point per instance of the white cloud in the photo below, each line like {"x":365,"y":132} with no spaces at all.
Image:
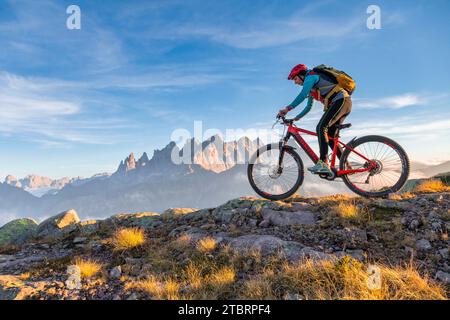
{"x":393,"y":102}
{"x":274,"y":33}
{"x":43,"y":113}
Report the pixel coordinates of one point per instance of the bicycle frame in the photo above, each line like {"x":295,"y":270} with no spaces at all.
{"x":295,"y":132}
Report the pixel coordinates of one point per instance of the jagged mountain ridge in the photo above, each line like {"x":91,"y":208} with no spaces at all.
{"x":149,"y":184}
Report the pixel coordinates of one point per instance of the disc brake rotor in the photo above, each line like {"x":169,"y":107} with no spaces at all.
{"x":274,"y":172}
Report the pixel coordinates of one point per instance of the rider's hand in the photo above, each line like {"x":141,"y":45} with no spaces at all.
{"x":284,"y":111}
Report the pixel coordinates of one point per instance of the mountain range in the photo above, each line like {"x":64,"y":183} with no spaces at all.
{"x":212,"y":172}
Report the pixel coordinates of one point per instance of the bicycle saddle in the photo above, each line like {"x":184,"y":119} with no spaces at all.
{"x":344,"y":126}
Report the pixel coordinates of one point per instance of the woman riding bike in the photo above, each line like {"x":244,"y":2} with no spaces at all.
{"x":337,"y":105}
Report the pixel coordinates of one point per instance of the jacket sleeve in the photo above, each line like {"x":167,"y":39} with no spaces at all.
{"x":307,"y":108}
{"x":310,"y":81}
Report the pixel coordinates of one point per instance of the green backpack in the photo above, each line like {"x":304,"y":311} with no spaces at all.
{"x":342,"y":79}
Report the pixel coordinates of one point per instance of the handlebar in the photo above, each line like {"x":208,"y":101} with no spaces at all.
{"x":283,"y":120}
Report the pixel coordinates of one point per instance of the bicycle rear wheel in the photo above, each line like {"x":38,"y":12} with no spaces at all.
{"x":390,"y":174}
{"x":271,"y":181}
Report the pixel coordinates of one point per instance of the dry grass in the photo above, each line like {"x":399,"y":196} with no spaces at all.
{"x":346,"y":280}
{"x":432,"y":186}
{"x":215,"y":277}
{"x":158,"y":289}
{"x":88,"y":268}
{"x":128,"y":238}
{"x":349,"y":211}
{"x":402,"y":196}
{"x":206,"y":245}
{"x":25,"y":276}
{"x":223,"y":276}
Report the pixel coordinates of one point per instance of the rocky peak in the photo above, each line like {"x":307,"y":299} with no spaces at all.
{"x":12,"y":181}
{"x":143,"y":160}
{"x":127,"y":165}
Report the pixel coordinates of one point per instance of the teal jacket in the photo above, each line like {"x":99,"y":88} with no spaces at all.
{"x":310,"y":81}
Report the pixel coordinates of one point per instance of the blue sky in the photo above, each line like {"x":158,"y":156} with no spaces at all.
{"x":75,"y":102}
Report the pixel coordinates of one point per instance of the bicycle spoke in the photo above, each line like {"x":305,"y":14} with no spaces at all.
{"x":266,"y":176}
{"x":390,"y":166}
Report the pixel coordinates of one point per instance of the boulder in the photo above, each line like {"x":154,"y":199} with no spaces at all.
{"x":58,"y":225}
{"x":17,"y":231}
{"x":266,"y":244}
{"x":423,"y":245}
{"x":88,"y":227}
{"x":444,"y":277}
{"x":115,"y":272}
{"x":285,"y":218}
{"x":176,"y":212}
{"x":393,"y":204}
{"x":139,"y":220}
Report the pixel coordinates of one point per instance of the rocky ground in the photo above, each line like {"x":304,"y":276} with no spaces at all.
{"x":245,"y":236}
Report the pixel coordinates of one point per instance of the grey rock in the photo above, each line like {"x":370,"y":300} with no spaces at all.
{"x":436,"y":226}
{"x":133,"y":296}
{"x":115,"y":272}
{"x":354,"y":236}
{"x":285,"y":218}
{"x":58,"y":225}
{"x":133,"y":261}
{"x":300,"y":206}
{"x":357,"y":254}
{"x":393,"y":204}
{"x":266,"y":244}
{"x":6,"y":258}
{"x":78,"y":240}
{"x":264,"y":224}
{"x":292,"y":296}
{"x":444,"y":253}
{"x":252,"y":222}
{"x":444,"y":277}
{"x":314,"y":255}
{"x":88,"y":227}
{"x":423,"y":245}
{"x":22,"y":261}
{"x":414,"y":224}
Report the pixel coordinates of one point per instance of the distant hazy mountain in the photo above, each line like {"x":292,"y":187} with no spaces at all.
{"x":39,"y":185}
{"x":430,"y":170}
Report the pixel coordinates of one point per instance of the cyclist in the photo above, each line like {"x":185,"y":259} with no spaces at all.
{"x":337,"y":105}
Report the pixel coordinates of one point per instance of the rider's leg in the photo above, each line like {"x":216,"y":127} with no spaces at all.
{"x":335,"y":111}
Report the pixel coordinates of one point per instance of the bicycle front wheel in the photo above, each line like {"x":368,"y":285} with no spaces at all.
{"x":390,"y":173}
{"x":269,"y":179}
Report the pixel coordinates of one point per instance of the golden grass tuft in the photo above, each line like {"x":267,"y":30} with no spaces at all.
{"x":349,"y":211}
{"x":429,"y":186}
{"x":159,"y":290}
{"x":223,"y":276}
{"x":128,"y":238}
{"x":402,"y":196}
{"x":88,"y":268}
{"x":206,"y":245}
{"x":25,"y":276}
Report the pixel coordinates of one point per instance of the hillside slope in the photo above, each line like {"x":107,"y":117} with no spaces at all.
{"x":250,"y":248}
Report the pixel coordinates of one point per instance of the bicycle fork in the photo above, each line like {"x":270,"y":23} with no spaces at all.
{"x":282,"y":145}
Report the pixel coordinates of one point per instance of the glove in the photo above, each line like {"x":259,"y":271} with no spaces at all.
{"x":284,"y":111}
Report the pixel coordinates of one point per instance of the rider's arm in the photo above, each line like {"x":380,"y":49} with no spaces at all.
{"x":307,"y":108}
{"x":310,"y":81}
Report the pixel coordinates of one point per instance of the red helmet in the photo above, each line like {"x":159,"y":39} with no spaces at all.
{"x":297,"y":70}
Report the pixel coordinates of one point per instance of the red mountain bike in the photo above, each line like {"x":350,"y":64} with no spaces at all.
{"x":371,"y":166}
